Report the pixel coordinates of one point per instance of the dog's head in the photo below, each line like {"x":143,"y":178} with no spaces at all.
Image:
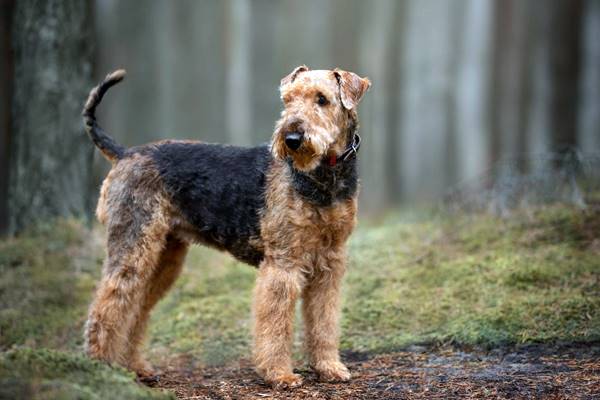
{"x":320,"y":109}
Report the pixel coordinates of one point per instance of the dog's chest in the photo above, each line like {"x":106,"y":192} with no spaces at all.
{"x":295,"y":224}
{"x":326,"y":185}
{"x":331,"y":226}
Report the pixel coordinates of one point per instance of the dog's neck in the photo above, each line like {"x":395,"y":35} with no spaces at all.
{"x":327,"y":184}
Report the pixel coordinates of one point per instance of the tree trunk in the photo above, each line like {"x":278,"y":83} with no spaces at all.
{"x":509,"y":87}
{"x":565,"y":61}
{"x":540,"y":81}
{"x":6,"y":10}
{"x":426,"y":114}
{"x":589,"y":89}
{"x":375,"y":52}
{"x":472,"y":86}
{"x":50,"y":166}
{"x":239,"y":63}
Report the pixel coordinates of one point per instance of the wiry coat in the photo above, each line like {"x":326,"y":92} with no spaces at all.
{"x":287,"y":211}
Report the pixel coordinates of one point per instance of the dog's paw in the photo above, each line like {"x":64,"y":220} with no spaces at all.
{"x":332,"y":371}
{"x":142,"y":368}
{"x":287,"y":381}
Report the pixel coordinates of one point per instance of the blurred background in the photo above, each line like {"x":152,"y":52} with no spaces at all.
{"x":464,"y":92}
{"x":476,"y":105}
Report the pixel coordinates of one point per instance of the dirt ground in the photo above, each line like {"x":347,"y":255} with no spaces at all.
{"x":528,"y":372}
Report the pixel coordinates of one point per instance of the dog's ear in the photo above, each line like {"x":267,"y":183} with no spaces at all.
{"x":291,"y":77}
{"x":352,"y":87}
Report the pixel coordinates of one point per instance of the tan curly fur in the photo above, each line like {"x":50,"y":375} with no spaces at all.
{"x":304,"y":244}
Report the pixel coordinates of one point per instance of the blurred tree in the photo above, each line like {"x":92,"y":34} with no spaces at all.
{"x":375,"y":51}
{"x":589,"y":105}
{"x":426,"y":114}
{"x":536,"y":69}
{"x":510,"y":94}
{"x":51,"y":157}
{"x":239,"y":73}
{"x":471,"y":114}
{"x":6,"y":8}
{"x":458,"y":87}
{"x":565,"y":60}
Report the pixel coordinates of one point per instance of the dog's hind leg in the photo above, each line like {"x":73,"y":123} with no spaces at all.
{"x":167,"y":271}
{"x":137,"y":235}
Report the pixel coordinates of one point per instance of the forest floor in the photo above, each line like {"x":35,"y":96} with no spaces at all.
{"x":434,"y":306}
{"x":527,"y":372}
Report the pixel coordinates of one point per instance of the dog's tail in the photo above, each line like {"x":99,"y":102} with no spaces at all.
{"x":107,"y":145}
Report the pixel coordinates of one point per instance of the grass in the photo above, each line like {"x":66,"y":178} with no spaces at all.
{"x":48,"y":275}
{"x":468,"y":280}
{"x":27,"y":373}
{"x":478,"y":281}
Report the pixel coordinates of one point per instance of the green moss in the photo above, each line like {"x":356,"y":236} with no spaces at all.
{"x":48,"y":374}
{"x":475,"y":280}
{"x":469,"y":280}
{"x":533,"y":277}
{"x":207,"y":317}
{"x":48,"y":275}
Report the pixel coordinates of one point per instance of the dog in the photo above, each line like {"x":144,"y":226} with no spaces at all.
{"x":287,"y":207}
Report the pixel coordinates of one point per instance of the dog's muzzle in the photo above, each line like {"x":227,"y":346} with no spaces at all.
{"x":293,"y":140}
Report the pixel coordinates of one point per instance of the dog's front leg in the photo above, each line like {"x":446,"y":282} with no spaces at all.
{"x":321,"y":312}
{"x":277,"y":289}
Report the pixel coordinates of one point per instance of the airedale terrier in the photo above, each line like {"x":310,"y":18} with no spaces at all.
{"x":287,"y":207}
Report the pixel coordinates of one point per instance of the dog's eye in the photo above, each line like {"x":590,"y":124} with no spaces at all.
{"x":322,"y":100}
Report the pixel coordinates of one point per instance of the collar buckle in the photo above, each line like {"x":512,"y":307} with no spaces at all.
{"x":352,"y":150}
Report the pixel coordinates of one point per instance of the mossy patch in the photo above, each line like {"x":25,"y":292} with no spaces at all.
{"x":207,"y":317}
{"x":27,"y":373}
{"x":48,"y":275}
{"x":473,"y":280}
{"x":476,"y":280}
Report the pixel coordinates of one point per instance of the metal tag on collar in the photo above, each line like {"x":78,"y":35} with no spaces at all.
{"x":353,"y":148}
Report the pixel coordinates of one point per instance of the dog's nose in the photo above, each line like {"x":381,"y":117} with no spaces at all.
{"x":293,"y":140}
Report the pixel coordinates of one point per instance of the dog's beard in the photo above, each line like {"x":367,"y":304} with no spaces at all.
{"x":315,"y":146}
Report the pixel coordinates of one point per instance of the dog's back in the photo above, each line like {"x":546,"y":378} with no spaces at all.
{"x":219,"y":189}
